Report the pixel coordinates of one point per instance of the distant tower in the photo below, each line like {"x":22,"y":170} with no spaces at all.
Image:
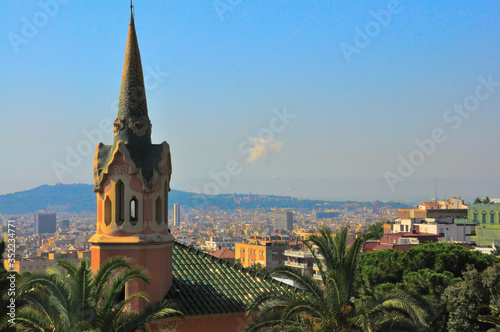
{"x":177,"y":215}
{"x":132,"y":182}
{"x":45,"y":223}
{"x":283,"y":221}
{"x":376,"y":207}
{"x":65,"y":223}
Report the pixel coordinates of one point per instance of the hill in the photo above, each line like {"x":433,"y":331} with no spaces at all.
{"x":80,"y":197}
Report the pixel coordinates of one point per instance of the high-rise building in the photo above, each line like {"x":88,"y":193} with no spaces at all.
{"x":283,"y":221}
{"x":177,"y":215}
{"x":45,"y":223}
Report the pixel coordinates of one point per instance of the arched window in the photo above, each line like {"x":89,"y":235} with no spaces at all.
{"x":120,"y":202}
{"x":492,"y":217}
{"x":475,"y":219}
{"x":159,"y":210}
{"x":107,"y":211}
{"x":134,"y":210}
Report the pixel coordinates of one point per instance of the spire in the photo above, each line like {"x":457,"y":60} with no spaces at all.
{"x":132,"y":124}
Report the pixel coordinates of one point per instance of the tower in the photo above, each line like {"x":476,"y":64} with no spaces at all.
{"x":283,"y":221}
{"x":44,"y":223}
{"x":177,"y":215}
{"x":132,"y":178}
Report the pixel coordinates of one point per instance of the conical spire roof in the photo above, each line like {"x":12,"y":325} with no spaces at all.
{"x":132,"y":124}
{"x":132,"y":127}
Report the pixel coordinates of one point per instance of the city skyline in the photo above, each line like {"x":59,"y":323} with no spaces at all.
{"x":363,"y":101}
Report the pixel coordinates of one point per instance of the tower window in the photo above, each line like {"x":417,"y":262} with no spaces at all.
{"x":107,"y":211}
{"x":159,"y":209}
{"x":133,"y":211}
{"x":120,"y":202}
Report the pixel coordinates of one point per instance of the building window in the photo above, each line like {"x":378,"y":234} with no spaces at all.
{"x":484,"y":217}
{"x":474,"y":216}
{"x":492,"y":217}
{"x":107,"y":211}
{"x":133,"y":211}
{"x":159,"y":208}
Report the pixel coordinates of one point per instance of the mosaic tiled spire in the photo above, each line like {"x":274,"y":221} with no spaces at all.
{"x":132,"y":128}
{"x":132,"y":124}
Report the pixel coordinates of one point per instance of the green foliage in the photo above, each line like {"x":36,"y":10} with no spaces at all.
{"x":485,"y":200}
{"x":332,"y":307}
{"x":72,"y":298}
{"x":427,"y":281}
{"x":375,"y":231}
{"x":257,"y":268}
{"x":391,"y":266}
{"x":425,"y":271}
{"x":442,"y":257}
{"x":378,"y":267}
{"x":469,"y":299}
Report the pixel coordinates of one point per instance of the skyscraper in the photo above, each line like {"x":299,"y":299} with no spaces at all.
{"x":283,"y":221}
{"x":177,"y":215}
{"x":45,"y":223}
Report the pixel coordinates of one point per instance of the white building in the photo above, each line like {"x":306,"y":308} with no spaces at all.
{"x":453,"y":230}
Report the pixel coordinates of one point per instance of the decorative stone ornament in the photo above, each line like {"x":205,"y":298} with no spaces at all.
{"x":139,"y":125}
{"x":118,"y":124}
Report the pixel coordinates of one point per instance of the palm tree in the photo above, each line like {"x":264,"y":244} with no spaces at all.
{"x":492,"y":319}
{"x":75,"y":299}
{"x":330,"y":306}
{"x":394,"y":311}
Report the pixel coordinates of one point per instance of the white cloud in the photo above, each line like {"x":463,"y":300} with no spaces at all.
{"x":261,"y":148}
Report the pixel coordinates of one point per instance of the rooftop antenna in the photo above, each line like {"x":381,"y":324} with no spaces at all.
{"x":435,"y":190}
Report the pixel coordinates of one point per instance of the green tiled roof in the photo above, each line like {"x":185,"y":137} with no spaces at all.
{"x":203,"y":284}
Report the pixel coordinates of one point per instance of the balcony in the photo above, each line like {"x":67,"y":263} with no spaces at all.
{"x":295,"y":264}
{"x":315,"y":267}
{"x":298,"y":253}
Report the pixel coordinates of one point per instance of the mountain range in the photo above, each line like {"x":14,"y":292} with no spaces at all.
{"x":81,"y":197}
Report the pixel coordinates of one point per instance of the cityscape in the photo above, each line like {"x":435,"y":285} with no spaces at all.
{"x":288,"y":184}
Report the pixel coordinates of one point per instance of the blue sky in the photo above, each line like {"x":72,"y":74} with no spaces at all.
{"x":220,"y":72}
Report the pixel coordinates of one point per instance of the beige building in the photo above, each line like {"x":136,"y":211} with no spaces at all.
{"x":41,"y":264}
{"x":268,"y":253}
